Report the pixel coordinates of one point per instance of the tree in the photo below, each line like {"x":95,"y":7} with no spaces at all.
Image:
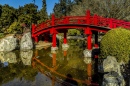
{"x":118,"y":9}
{"x":27,"y":14}
{"x":43,"y":16}
{"x":0,"y":10}
{"x":7,"y":16}
{"x":62,"y":8}
{"x":116,"y":43}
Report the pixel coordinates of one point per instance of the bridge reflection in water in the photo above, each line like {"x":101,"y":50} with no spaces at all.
{"x":62,"y":68}
{"x":63,"y":78}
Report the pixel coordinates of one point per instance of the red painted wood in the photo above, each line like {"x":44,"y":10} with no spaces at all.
{"x":89,"y":41}
{"x":110,"y":23}
{"x":88,"y":17}
{"x":95,"y":18}
{"x":65,"y":38}
{"x":53,"y":19}
{"x":88,"y":31}
{"x":33,"y":29}
{"x":100,"y":24}
{"x":36,"y":39}
{"x":54,"y":40}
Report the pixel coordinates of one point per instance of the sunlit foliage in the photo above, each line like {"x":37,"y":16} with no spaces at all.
{"x":116,"y":43}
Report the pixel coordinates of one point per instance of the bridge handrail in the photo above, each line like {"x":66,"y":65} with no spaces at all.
{"x":87,"y":19}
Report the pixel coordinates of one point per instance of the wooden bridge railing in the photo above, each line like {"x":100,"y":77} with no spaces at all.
{"x":82,"y":20}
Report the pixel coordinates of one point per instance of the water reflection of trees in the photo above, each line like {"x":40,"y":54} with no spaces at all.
{"x":73,"y":61}
{"x":16,"y":69}
{"x":60,"y":64}
{"x":66,"y":61}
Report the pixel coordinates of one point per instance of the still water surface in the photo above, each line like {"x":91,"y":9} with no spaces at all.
{"x":42,"y":68}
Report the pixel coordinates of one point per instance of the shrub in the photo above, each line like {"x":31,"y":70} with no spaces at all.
{"x":73,"y":32}
{"x":116,"y":43}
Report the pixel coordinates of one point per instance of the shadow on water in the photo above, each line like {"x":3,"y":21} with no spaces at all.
{"x":69,"y":81}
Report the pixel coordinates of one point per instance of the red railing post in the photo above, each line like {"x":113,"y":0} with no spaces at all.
{"x":53,"y":31}
{"x":66,"y":20}
{"x":88,"y":31}
{"x":53,"y":20}
{"x":110,"y":24}
{"x":114,"y":25}
{"x":88,"y":17}
{"x":95,"y":19}
{"x":33,"y":29}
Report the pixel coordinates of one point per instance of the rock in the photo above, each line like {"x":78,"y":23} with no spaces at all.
{"x":26,"y":57}
{"x":26,"y":42}
{"x":9,"y":57}
{"x":113,"y":79}
{"x":8,"y":43}
{"x":114,"y":76}
{"x":110,"y":64}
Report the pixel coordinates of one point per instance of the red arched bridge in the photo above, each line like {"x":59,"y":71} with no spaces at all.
{"x":90,"y":25}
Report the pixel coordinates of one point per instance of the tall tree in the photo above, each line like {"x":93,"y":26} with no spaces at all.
{"x":27,"y":14}
{"x":7,"y":16}
{"x":43,"y":16}
{"x":0,"y":10}
{"x":62,"y":8}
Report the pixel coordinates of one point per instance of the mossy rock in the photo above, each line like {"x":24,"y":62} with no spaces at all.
{"x":116,"y":43}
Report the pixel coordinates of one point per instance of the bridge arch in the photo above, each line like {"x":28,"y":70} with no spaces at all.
{"x":88,"y":23}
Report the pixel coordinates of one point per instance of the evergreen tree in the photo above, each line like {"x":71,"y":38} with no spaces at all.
{"x":27,"y":14}
{"x":43,"y":16}
{"x":0,"y":10}
{"x":7,"y":17}
{"x":77,"y":1}
{"x":62,"y":8}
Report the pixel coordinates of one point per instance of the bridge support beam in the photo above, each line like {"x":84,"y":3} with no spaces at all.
{"x":88,"y":32}
{"x":54,"y":40}
{"x":96,"y":39}
{"x":65,"y":46}
{"x":89,"y":41}
{"x":96,"y":46}
{"x":54,"y":47}
{"x":65,"y":38}
{"x":88,"y":50}
{"x":36,"y":39}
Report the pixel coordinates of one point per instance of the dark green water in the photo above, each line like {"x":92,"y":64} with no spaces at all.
{"x":42,"y":68}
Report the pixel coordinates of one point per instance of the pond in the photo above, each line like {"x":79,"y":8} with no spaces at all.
{"x":43,"y":68}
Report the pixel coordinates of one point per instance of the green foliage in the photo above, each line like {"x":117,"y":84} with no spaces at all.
{"x":0,"y":10}
{"x":12,"y":27}
{"x":62,"y":8}
{"x":2,"y":35}
{"x":27,"y":14}
{"x":7,"y":16}
{"x":73,"y":32}
{"x":116,"y":43}
{"x":42,"y":14}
